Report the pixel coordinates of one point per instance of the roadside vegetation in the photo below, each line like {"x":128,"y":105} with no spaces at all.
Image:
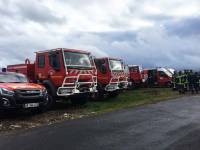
{"x":15,"y":121}
{"x":132,"y":98}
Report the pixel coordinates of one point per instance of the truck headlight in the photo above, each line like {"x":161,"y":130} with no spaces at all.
{"x":43,"y":92}
{"x":6,"y":92}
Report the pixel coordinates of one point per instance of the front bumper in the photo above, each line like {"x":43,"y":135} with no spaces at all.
{"x":68,"y":91}
{"x":117,"y":86}
{"x":77,"y":87}
{"x":19,"y":102}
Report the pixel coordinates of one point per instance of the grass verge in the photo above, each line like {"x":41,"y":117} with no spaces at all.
{"x":131,"y":98}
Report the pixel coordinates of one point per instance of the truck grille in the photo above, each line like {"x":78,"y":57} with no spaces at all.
{"x":28,"y":93}
{"x":28,"y":96}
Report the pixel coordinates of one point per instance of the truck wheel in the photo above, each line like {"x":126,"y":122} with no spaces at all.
{"x":113,"y":94}
{"x":133,"y":85}
{"x":48,"y":104}
{"x":99,"y":95}
{"x":79,"y":99}
{"x":52,"y":96}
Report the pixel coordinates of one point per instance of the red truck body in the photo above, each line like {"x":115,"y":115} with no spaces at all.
{"x":64,"y":72}
{"x":26,"y":69}
{"x":135,"y":73}
{"x":111,"y":75}
{"x":157,"y":77}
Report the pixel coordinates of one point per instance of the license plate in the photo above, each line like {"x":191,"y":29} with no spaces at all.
{"x":31,"y":105}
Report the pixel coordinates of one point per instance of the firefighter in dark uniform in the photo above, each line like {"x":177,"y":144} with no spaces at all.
{"x":193,"y":79}
{"x":174,"y":82}
{"x":180,"y":82}
{"x":196,"y":82}
{"x":190,"y":81}
{"x":186,"y":82}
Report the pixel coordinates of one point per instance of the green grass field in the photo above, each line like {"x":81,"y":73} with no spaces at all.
{"x":131,"y":98}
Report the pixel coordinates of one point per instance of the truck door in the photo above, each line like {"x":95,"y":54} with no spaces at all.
{"x":152,"y":77}
{"x":102,"y":71}
{"x":41,"y":72}
{"x":56,"y":72}
{"x":163,"y":78}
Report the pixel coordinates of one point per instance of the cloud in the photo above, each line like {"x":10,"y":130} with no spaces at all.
{"x":37,"y":12}
{"x":147,"y":32}
{"x":185,"y":27}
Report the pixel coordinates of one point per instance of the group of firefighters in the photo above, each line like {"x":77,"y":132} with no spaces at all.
{"x":186,"y":81}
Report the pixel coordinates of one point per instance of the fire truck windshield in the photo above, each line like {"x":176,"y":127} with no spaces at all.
{"x":77,"y":59}
{"x":169,"y":74}
{"x":116,"y":65}
{"x":12,"y":78}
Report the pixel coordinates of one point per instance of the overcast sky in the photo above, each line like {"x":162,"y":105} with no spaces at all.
{"x":151,"y":33}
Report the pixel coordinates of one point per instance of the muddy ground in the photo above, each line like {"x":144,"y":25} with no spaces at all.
{"x":20,"y":120}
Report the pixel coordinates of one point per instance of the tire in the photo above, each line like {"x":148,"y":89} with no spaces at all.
{"x":113,"y":94}
{"x":50,"y":103}
{"x":99,"y":95}
{"x":133,"y":85}
{"x":79,"y":99}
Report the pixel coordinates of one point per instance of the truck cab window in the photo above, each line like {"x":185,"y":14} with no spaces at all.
{"x":135,"y":69}
{"x":101,"y":65}
{"x":162,"y":74}
{"x":54,"y":61}
{"x":41,"y":61}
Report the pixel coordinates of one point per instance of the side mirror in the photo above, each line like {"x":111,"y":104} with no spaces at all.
{"x":103,"y":69}
{"x":4,"y":69}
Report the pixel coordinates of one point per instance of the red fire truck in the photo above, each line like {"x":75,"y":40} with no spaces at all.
{"x":135,"y":75}
{"x":64,"y":72}
{"x":160,"y":77}
{"x":111,"y":76}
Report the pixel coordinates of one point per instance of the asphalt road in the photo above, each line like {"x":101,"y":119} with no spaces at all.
{"x":169,"y":125}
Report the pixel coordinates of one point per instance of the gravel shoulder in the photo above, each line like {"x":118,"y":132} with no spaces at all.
{"x":17,"y":121}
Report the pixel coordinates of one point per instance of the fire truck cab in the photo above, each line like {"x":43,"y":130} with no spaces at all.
{"x":157,"y":77}
{"x":64,"y":72}
{"x":135,"y":73}
{"x":111,"y":76}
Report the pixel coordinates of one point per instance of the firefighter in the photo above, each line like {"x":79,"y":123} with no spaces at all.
{"x":174,"y":82}
{"x":196,"y":82}
{"x":180,"y":82}
{"x":190,"y":81}
{"x":199,"y":80}
{"x":184,"y":82}
{"x":185,"y":79}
